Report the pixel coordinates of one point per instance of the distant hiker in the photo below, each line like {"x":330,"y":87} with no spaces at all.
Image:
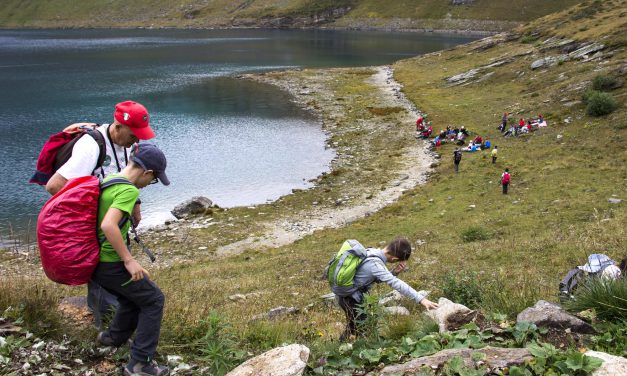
{"x":130,"y":124}
{"x":420,"y":124}
{"x":505,"y":178}
{"x":598,"y":266}
{"x":353,"y":271}
{"x":140,"y":300}
{"x":503,"y":125}
{"x":457,"y":157}
{"x":494,"y":154}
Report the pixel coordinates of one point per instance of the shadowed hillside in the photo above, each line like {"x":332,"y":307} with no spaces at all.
{"x":481,"y":15}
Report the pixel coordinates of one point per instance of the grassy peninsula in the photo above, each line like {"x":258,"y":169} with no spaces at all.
{"x":507,"y":251}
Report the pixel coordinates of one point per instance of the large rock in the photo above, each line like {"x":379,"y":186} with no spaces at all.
{"x":495,"y":358}
{"x":283,"y":361}
{"x":612,"y":365}
{"x":584,"y":51}
{"x":551,"y":315}
{"x":450,"y":316}
{"x":195,"y":205}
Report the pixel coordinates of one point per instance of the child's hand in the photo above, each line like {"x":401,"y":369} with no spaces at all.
{"x":135,"y":270}
{"x":428,"y":304}
{"x":399,"y":268}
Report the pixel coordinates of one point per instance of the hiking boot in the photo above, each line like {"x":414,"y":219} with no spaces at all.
{"x":105,"y":339}
{"x":135,"y":368}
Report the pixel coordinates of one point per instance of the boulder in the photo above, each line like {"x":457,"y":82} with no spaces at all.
{"x":545,"y":61}
{"x":495,"y":358}
{"x":612,"y":365}
{"x":583,"y":52}
{"x":396,"y":310}
{"x":195,"y":205}
{"x":392,"y":296}
{"x":282,"y":361}
{"x":462,"y":77}
{"x":276,"y":312}
{"x":551,"y":315}
{"x":451,"y":316}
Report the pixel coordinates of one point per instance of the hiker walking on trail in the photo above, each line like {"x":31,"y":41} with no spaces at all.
{"x":130,"y":124}
{"x":505,"y":178}
{"x":368,"y":266}
{"x":457,"y":157}
{"x":140,"y":300}
{"x":494,"y":154}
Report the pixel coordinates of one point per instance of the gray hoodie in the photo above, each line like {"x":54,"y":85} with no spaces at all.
{"x":373,"y":270}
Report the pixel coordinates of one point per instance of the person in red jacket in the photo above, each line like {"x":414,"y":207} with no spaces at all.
{"x":420,"y":124}
{"x":505,"y":179}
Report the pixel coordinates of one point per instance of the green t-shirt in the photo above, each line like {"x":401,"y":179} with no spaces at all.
{"x":122,"y":197}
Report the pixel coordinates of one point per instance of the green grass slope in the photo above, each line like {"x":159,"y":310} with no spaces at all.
{"x":224,"y":13}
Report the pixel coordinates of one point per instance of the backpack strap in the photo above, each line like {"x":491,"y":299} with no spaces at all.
{"x":102,"y":148}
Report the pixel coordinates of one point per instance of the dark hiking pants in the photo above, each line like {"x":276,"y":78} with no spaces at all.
{"x":353,"y":318}
{"x":505,"y":188}
{"x":100,"y":302}
{"x":141,"y":309}
{"x":493,"y":160}
{"x":456,"y":166}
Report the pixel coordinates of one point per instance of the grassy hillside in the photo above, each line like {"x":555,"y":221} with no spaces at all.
{"x":203,"y":13}
{"x":515,"y":247}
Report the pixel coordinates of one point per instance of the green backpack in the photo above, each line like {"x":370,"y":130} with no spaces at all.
{"x":342,"y":268}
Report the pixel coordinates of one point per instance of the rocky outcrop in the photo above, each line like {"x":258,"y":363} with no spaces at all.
{"x":284,"y":361}
{"x":451,"y":316}
{"x":612,"y":365}
{"x":296,"y":21}
{"x":494,"y":358}
{"x":549,"y":315}
{"x":277,"y":312}
{"x":195,"y":205}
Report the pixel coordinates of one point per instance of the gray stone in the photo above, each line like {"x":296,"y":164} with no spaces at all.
{"x":284,"y":361}
{"x":583,"y":52}
{"x":613,"y":200}
{"x":276,"y":312}
{"x":396,"y":310}
{"x":495,"y":358}
{"x":462,"y":77}
{"x":392,"y":296}
{"x":551,"y":315}
{"x":545,"y":61}
{"x":612,"y":365}
{"x":195,"y":205}
{"x":451,"y":316}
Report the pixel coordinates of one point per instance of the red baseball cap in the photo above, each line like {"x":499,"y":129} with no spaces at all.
{"x":135,"y":116}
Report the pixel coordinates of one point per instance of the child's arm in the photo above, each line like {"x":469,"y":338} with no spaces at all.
{"x":111,"y":230}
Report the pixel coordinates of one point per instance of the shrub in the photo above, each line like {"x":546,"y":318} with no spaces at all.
{"x":600,"y":104}
{"x":472,"y":234}
{"x":612,"y":340}
{"x":606,"y":297}
{"x":604,"y":83}
{"x":462,"y":287}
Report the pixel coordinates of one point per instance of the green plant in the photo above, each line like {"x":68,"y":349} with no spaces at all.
{"x":606,"y":296}
{"x":548,"y":360}
{"x":613,"y":338}
{"x":602,"y":82}
{"x":218,"y":346}
{"x":462,"y":287}
{"x":373,"y":321}
{"x":599,"y":104}
{"x":472,"y":234}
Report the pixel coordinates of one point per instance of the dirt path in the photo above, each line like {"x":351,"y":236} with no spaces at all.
{"x":413,"y":171}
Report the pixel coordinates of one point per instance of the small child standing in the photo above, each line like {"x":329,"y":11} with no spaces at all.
{"x":373,"y":270}
{"x":141,"y":301}
{"x":494,"y":153}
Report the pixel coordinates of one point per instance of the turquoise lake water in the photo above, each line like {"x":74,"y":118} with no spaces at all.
{"x":234,"y":141}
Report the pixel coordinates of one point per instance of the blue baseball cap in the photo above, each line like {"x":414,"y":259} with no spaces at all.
{"x":149,"y":157}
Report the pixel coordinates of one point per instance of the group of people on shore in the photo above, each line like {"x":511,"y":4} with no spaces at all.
{"x":522,"y":127}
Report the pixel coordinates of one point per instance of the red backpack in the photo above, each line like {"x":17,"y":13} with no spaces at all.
{"x":58,"y":150}
{"x":67,"y":230}
{"x":505,"y":179}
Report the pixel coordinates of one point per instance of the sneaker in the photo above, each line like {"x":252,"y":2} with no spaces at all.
{"x":135,"y":368}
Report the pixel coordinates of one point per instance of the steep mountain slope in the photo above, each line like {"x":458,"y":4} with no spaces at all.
{"x":413,"y":14}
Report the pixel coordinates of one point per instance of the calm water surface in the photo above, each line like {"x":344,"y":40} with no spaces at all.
{"x":234,"y":141}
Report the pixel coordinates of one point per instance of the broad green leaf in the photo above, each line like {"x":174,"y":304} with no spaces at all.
{"x":371,"y":355}
{"x":590,"y":363}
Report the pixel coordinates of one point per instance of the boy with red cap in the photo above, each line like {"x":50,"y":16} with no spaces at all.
{"x":131,"y":123}
{"x":140,"y":300}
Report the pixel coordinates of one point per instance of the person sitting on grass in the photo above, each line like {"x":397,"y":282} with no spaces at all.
{"x":373,"y":270}
{"x":141,"y":301}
